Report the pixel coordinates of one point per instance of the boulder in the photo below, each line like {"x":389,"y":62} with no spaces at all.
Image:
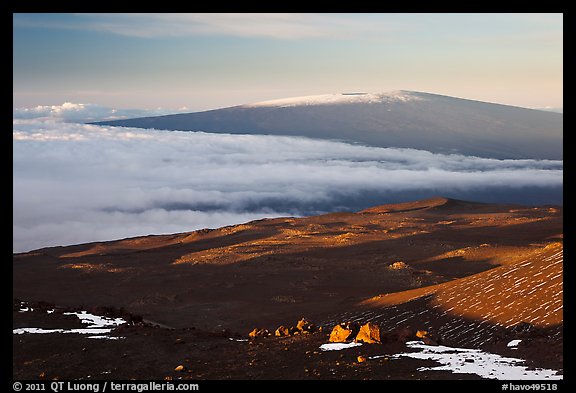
{"x":304,"y":325}
{"x":341,"y":334}
{"x":398,"y":265}
{"x":369,"y":333}
{"x":282,"y":331}
{"x":427,"y":338}
{"x":256,"y":332}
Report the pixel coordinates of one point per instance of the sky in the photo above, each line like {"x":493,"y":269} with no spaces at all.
{"x":189,"y":62}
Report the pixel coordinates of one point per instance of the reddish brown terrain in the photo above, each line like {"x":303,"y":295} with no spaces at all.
{"x":471,"y":275}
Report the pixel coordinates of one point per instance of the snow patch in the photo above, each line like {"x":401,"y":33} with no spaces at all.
{"x":475,"y":361}
{"x":343,"y":98}
{"x":338,"y":346}
{"x":95,"y":321}
{"x":37,"y":331}
{"x":98,"y":326}
{"x":64,"y":331}
{"x":513,"y":344}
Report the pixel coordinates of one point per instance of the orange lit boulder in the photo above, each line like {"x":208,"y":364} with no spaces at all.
{"x":259,"y":333}
{"x":369,"y":333}
{"x":305,"y":326}
{"x":340,"y":334}
{"x":282,"y":331}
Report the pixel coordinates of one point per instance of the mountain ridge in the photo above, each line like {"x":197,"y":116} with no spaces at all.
{"x":398,"y":119}
{"x":433,"y":205}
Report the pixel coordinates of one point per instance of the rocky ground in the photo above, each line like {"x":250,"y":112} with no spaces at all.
{"x":472,"y":275}
{"x":145,"y":351}
{"x":149,"y":352}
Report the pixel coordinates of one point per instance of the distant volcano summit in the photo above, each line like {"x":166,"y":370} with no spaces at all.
{"x":400,"y":119}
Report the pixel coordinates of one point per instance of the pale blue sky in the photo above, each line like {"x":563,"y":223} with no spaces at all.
{"x":203,"y":61}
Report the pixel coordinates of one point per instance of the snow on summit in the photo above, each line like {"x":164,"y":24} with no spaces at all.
{"x":341,"y":98}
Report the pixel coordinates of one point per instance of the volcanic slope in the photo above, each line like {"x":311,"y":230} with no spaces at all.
{"x":525,"y":294}
{"x":405,"y":119}
{"x":439,"y":263}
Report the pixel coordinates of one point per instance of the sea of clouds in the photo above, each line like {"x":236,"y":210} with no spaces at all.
{"x":76,"y":182}
{"x":83,"y":113}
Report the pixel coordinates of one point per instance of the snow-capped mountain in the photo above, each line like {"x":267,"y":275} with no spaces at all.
{"x":335,"y":99}
{"x":406,"y":119}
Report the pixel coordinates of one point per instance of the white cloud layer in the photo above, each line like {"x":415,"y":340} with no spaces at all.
{"x":80,"y":183}
{"x":72,"y":112}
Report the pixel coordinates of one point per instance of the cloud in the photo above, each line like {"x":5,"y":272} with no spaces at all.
{"x":267,"y":25}
{"x":80,"y":183}
{"x":78,"y":113}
